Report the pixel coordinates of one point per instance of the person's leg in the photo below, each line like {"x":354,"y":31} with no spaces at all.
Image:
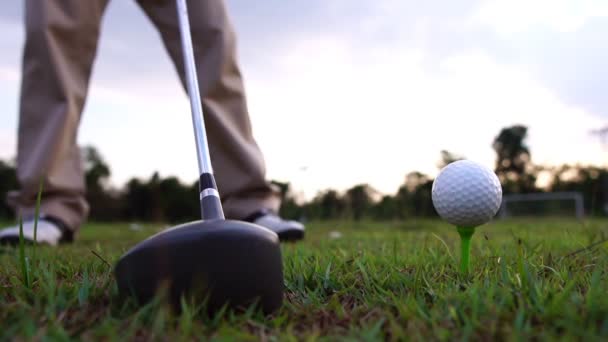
{"x":241,"y":174}
{"x":60,"y":47}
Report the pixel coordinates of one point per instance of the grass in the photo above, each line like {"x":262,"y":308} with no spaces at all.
{"x":529,"y":279}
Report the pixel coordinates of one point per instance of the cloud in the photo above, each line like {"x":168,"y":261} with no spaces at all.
{"x":9,"y":74}
{"x":558,"y":42}
{"x":11,"y":43}
{"x":517,"y":16}
{"x":372,"y":115}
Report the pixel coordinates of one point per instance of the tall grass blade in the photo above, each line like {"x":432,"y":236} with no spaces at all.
{"x":36,"y":214}
{"x":22,"y":258}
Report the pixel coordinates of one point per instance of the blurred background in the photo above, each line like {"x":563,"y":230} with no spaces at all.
{"x":356,"y":105}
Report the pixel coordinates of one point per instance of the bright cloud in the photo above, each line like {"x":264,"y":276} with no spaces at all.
{"x":8,"y":74}
{"x":516,"y":16}
{"x":371,"y":116}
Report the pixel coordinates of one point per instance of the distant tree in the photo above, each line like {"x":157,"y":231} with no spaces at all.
{"x":587,"y":180}
{"x":97,"y":171}
{"x":386,"y":209}
{"x":359,"y":199}
{"x":143,"y":200}
{"x":414,"y":196}
{"x":448,"y":158}
{"x":331,"y":205}
{"x":136,"y":197}
{"x":282,"y":187}
{"x":423,"y":200}
{"x":512,"y":153}
{"x":289,"y":207}
{"x":513,"y":161}
{"x":104,"y":202}
{"x":415,"y":179}
{"x":8,"y":182}
{"x":404,"y":204}
{"x":179,"y":202}
{"x":602,"y":133}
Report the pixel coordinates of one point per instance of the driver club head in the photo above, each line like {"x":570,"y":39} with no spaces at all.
{"x":220,"y":261}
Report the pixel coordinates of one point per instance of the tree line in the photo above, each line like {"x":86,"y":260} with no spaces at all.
{"x":170,"y":200}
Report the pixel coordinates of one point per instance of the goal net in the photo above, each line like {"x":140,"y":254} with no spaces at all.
{"x":543,"y":204}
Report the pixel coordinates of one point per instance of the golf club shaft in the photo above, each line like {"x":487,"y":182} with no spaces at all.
{"x":211,"y":207}
{"x":204,"y":162}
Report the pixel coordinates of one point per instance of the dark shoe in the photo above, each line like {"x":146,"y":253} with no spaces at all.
{"x":287,"y":230}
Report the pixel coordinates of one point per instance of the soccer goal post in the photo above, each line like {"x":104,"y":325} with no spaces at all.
{"x":541,"y":203}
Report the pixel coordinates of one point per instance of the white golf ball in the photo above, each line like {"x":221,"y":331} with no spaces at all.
{"x":466,"y":194}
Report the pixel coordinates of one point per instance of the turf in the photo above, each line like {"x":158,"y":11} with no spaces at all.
{"x":530,"y":279}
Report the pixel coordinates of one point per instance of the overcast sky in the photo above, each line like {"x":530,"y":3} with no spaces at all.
{"x":349,"y":91}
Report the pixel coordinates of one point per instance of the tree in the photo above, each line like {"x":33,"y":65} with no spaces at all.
{"x":359,"y":199}
{"x":97,"y":171}
{"x":512,"y":154}
{"x":386,"y":209}
{"x":326,"y":205}
{"x":143,"y":200}
{"x":602,"y":133}
{"x":331,"y":205}
{"x":513,"y":161}
{"x":448,"y":158}
{"x":414,"y":196}
{"x":8,"y":182}
{"x":104,"y":203}
{"x":178,"y":202}
{"x":587,"y":180}
{"x":289,"y":207}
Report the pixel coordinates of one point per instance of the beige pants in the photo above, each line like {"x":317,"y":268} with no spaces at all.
{"x":58,"y":55}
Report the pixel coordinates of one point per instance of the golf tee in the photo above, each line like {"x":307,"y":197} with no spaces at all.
{"x":466,"y":233}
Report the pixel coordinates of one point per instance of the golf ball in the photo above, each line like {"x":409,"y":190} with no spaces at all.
{"x":466,"y":194}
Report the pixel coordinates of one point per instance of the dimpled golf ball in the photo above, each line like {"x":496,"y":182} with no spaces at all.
{"x":466,"y":194}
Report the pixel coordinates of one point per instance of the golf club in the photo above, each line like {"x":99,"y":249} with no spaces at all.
{"x":218,"y":261}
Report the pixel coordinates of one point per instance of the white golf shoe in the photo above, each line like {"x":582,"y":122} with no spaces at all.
{"x":48,"y":232}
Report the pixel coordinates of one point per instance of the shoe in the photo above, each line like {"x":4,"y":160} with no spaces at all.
{"x":50,"y":231}
{"x":287,"y":230}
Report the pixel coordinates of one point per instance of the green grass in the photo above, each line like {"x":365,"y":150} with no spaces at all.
{"x":402,"y":280}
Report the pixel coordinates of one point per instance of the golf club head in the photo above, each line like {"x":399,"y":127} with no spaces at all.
{"x":220,"y":261}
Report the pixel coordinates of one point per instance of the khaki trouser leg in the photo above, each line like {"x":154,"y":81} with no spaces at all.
{"x":236,"y":158}
{"x":61,"y":43}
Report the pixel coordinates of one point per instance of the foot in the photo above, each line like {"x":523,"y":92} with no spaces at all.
{"x":48,"y":232}
{"x":286,"y":229}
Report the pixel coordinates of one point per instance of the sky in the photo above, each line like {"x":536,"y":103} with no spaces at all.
{"x":343,"y":92}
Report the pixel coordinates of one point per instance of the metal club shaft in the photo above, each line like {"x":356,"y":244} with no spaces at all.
{"x":202,"y":149}
{"x":211,"y":205}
